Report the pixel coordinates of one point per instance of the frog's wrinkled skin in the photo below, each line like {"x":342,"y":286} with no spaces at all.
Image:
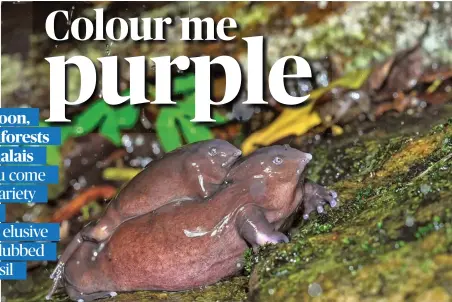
{"x":193,"y":243}
{"x":193,"y":171}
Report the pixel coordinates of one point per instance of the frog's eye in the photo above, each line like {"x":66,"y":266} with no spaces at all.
{"x":277,"y":160}
{"x":212,"y":151}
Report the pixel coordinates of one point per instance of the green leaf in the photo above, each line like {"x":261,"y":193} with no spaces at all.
{"x":89,"y":120}
{"x":127,"y":116}
{"x":175,"y":120}
{"x":167,"y":130}
{"x":194,"y":132}
{"x":110,"y":130}
{"x":53,"y":152}
{"x":220,"y":119}
{"x":184,"y":85}
{"x":109,"y":119}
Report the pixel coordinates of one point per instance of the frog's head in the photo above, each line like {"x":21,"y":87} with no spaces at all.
{"x":273,"y":176}
{"x":281,"y":163}
{"x":211,"y":160}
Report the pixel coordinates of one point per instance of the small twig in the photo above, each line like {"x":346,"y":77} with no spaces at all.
{"x":442,"y":160}
{"x":74,"y":206}
{"x":115,"y":155}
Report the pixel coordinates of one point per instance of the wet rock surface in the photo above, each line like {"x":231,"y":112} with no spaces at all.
{"x":390,"y":239}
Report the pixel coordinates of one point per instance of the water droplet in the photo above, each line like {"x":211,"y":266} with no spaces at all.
{"x":242,"y":112}
{"x":135,"y":162}
{"x":77,"y":186}
{"x":409,"y":221}
{"x":145,"y":161}
{"x":322,"y":79}
{"x":314,"y":290}
{"x":145,"y":122}
{"x":322,"y":4}
{"x":139,"y":140}
{"x":82,"y":181}
{"x":67,"y":162}
{"x":155,"y":148}
{"x":425,"y":188}
{"x":126,"y":141}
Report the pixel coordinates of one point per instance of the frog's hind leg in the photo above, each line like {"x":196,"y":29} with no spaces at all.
{"x":78,"y":296}
{"x":95,"y":232}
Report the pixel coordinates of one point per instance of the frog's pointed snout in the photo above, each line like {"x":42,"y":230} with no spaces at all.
{"x":306,"y":158}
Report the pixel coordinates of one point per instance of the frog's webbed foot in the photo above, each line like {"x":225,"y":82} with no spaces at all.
{"x":256,"y":230}
{"x":316,"y":197}
{"x":57,"y":275}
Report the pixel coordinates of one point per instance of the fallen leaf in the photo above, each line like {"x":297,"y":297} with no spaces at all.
{"x":300,"y":120}
{"x":379,"y":74}
{"x":431,"y":76}
{"x":290,"y":122}
{"x":383,"y":107}
{"x":405,"y":71}
{"x":436,"y":98}
{"x":400,"y":103}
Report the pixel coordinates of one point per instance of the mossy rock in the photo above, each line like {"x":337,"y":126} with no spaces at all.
{"x":390,"y":239}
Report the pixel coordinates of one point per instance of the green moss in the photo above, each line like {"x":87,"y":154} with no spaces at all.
{"x":250,"y":260}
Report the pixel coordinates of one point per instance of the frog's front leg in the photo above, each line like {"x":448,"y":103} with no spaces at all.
{"x":254,"y":227}
{"x":316,"y":197}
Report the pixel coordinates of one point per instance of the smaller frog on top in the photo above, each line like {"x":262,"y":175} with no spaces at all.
{"x":193,"y":171}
